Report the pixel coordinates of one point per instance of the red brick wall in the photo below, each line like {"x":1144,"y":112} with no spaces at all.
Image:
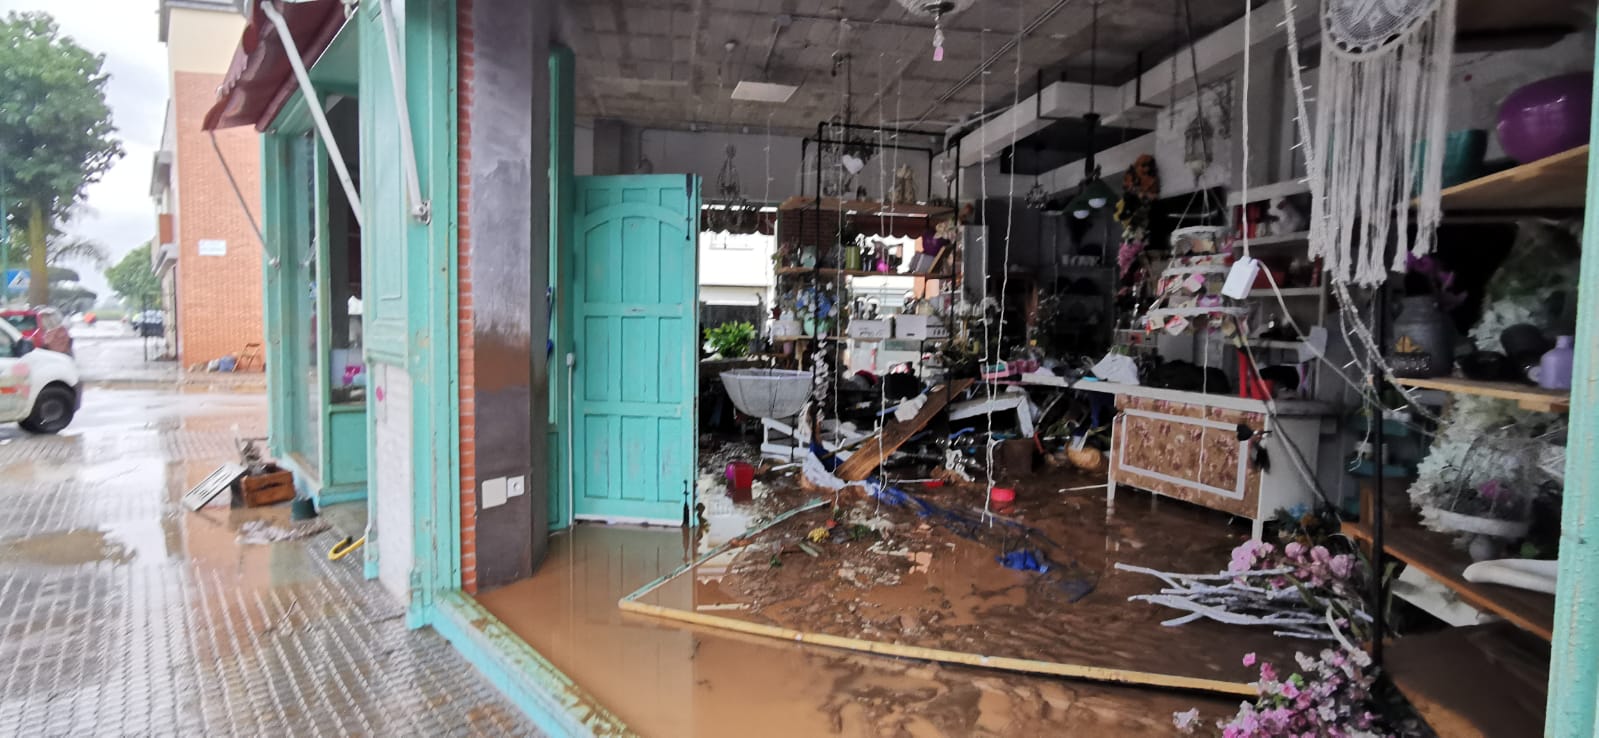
{"x":219,"y":297}
{"x":466,"y":368}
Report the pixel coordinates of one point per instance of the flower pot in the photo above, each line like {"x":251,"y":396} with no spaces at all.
{"x":1554,"y":369}
{"x":852,"y":258}
{"x":1546,"y":117}
{"x":1424,"y":341}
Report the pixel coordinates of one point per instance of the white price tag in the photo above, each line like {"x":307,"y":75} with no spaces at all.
{"x":1242,"y":278}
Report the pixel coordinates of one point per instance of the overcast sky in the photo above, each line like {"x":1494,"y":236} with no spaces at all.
{"x":120,"y":214}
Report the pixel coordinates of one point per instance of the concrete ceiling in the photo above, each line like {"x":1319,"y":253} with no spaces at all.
{"x":669,"y":63}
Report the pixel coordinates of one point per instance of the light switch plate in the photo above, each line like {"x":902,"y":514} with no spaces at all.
{"x":515,"y":486}
{"x":493,"y":492}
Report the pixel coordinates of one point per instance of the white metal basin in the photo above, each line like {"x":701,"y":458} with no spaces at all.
{"x":768,"y":393}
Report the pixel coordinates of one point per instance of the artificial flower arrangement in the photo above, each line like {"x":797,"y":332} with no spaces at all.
{"x":1329,"y":696}
{"x":1140,"y":190}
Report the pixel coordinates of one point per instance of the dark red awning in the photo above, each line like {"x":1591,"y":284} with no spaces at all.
{"x":260,"y":81}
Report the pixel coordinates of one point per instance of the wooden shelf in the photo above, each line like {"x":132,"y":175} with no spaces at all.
{"x":1485,"y":25}
{"x":1435,"y":555}
{"x":1525,"y":395}
{"x":867,"y":207}
{"x":1287,"y":292}
{"x":1558,"y":182}
{"x":1281,"y":239}
{"x":1269,"y":192}
{"x":1480,"y":680}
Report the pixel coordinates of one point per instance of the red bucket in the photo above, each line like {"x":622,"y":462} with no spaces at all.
{"x":740,"y":477}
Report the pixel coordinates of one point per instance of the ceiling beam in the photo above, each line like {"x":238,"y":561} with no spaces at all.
{"x":1217,"y":54}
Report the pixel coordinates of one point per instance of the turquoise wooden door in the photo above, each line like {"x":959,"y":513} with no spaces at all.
{"x":635,"y":328}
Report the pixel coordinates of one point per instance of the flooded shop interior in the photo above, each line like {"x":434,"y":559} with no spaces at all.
{"x":1056,"y":378}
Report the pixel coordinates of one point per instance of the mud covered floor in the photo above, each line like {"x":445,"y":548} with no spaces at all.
{"x":914,"y":582}
{"x":935,"y":581}
{"x":668,"y":680}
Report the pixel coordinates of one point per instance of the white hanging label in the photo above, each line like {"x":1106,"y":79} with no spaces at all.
{"x":1242,"y":278}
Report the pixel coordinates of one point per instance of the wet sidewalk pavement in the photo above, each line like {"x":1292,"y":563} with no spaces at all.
{"x":121,"y":613}
{"x":111,"y":355}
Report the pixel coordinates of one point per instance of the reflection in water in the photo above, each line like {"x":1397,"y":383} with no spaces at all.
{"x":667,"y":680}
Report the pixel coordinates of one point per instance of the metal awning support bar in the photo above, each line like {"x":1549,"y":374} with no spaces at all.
{"x":314,"y":105}
{"x":421,"y":209}
{"x":243,"y":203}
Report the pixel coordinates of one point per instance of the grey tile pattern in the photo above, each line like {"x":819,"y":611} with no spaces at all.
{"x":122,"y":614}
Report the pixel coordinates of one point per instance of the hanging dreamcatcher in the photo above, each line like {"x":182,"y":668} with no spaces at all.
{"x":1381,"y":98}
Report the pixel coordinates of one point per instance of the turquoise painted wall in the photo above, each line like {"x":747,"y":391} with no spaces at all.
{"x":1574,"y":670}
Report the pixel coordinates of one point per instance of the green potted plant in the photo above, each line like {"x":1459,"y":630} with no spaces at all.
{"x":730,"y":340}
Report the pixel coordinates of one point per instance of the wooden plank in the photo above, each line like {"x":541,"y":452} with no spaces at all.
{"x":1558,"y":182}
{"x":922,"y":653}
{"x":883,"y":445}
{"x":1525,"y":395}
{"x":1482,"y":680}
{"x":1434,"y":554}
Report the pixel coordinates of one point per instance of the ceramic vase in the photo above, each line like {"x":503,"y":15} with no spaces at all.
{"x":1423,"y":341}
{"x":1554,"y":369}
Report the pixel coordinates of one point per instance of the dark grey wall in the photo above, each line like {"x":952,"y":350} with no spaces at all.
{"x":508,"y":213}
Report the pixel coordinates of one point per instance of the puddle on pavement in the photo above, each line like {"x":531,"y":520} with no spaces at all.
{"x":69,"y":548}
{"x":667,"y":679}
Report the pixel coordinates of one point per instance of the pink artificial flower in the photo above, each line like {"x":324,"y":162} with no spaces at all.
{"x":1249,"y":659}
{"x":1294,"y":549}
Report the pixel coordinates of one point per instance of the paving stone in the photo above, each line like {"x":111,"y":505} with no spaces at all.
{"x":123,"y":614}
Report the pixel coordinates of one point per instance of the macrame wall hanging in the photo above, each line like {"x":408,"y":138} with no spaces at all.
{"x":1380,"y":99}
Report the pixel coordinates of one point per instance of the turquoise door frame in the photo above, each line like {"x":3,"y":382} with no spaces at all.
{"x":562,"y":184}
{"x":296,"y":187}
{"x":409,"y":278}
{"x":635,"y":330}
{"x":1574,"y":670}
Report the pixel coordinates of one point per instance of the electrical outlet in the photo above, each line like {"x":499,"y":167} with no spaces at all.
{"x":515,"y":486}
{"x":493,"y":492}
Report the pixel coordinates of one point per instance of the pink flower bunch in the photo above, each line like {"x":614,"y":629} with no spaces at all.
{"x":1328,"y":697}
{"x":1127,"y":255}
{"x":1314,"y":567}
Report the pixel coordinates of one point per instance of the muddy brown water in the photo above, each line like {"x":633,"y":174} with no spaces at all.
{"x":668,"y":679}
{"x":925,"y":585}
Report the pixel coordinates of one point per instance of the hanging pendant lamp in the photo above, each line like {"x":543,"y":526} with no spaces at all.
{"x":1094,"y":193}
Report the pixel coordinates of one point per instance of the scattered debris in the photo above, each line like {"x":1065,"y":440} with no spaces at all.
{"x":261,"y":532}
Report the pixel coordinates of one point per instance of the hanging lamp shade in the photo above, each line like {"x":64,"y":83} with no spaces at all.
{"x":1099,"y":194}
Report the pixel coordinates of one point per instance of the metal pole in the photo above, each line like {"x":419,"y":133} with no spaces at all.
{"x":5,"y":241}
{"x":1379,"y":585}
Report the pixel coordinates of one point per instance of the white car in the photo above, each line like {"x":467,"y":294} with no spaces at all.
{"x":39,"y":390}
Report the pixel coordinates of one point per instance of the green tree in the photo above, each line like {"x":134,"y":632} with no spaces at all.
{"x":55,"y":131}
{"x":132,"y":279}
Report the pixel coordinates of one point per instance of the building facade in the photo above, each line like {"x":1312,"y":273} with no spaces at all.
{"x":421,"y":220}
{"x":209,"y":256}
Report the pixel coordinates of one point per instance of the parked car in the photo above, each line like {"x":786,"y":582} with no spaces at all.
{"x":39,"y":390}
{"x":44,"y":326}
{"x":150,"y":323}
